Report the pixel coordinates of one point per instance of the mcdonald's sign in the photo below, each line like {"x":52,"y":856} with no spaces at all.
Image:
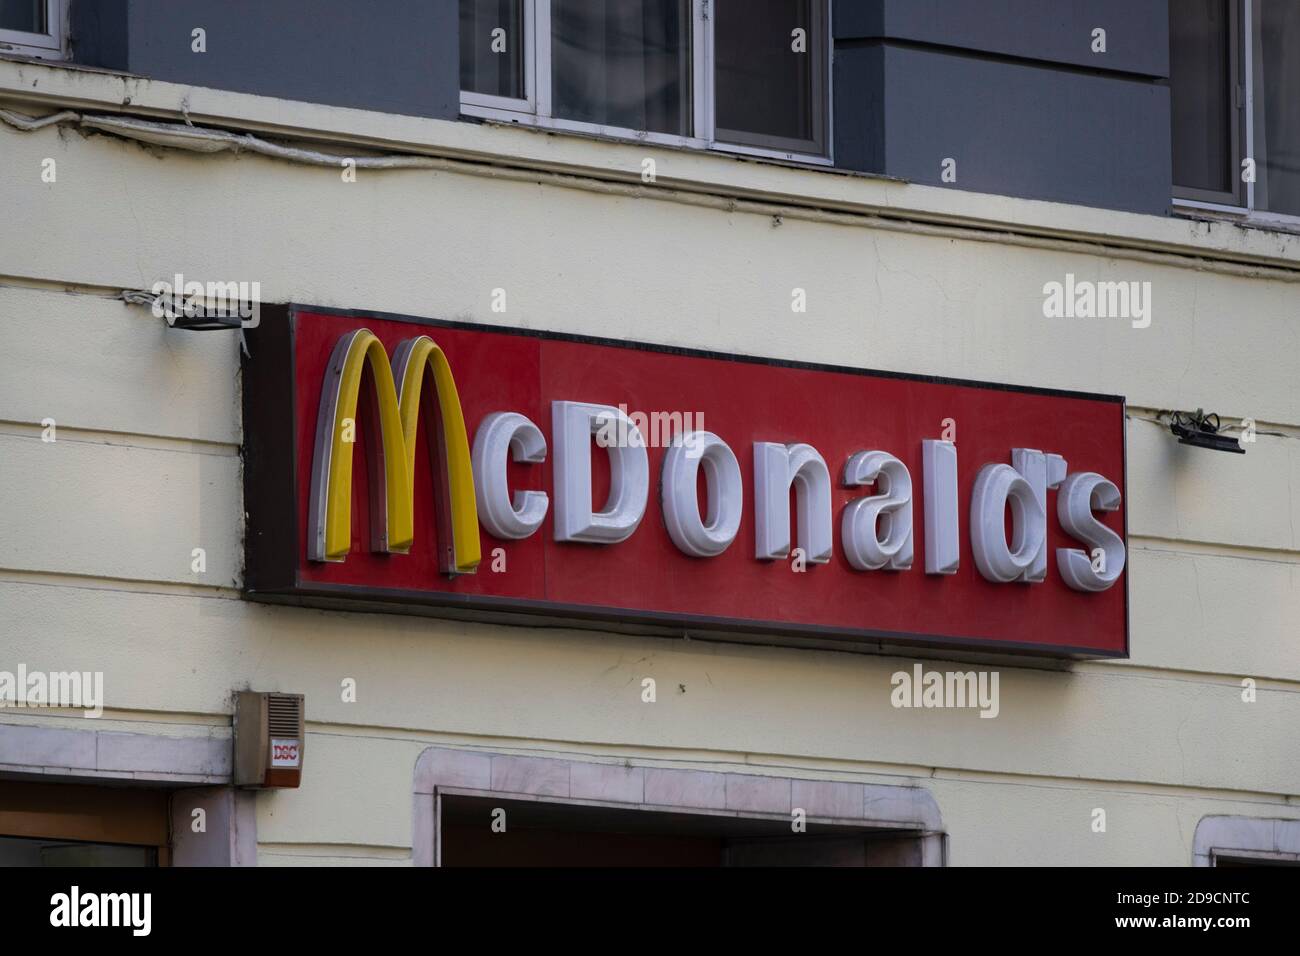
{"x":409,"y":465}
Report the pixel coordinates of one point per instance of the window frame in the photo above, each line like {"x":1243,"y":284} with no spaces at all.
{"x":52,"y":44}
{"x":491,"y":104}
{"x":821,"y":92}
{"x":1240,"y":204}
{"x":535,"y":107}
{"x":1237,"y":77}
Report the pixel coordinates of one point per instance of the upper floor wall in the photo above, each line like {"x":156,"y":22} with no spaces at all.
{"x":1014,"y":97}
{"x":1070,"y":101}
{"x":393,"y":56}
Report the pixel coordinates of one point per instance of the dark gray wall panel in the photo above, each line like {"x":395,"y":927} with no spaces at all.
{"x":999,"y":85}
{"x":859,"y":100}
{"x":98,"y":33}
{"x":1056,"y":31}
{"x":1025,"y":130}
{"x":397,"y":56}
{"x":857,"y":19}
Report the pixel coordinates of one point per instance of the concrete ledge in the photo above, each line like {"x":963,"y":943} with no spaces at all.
{"x":102,"y":755}
{"x":491,"y":148}
{"x":630,"y":785}
{"x":199,"y":768}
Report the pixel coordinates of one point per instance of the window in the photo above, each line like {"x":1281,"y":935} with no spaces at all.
{"x":1275,"y":80}
{"x":492,"y":50}
{"x":748,"y":76}
{"x":622,"y":65}
{"x":1202,"y":72}
{"x":767,"y":94}
{"x":32,"y":27}
{"x":1236,"y":131}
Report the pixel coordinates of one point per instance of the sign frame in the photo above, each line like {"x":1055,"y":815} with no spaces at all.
{"x":273,"y":535}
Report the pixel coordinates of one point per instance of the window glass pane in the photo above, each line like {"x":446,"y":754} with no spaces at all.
{"x":622,"y":63}
{"x":1277,"y":106}
{"x":492,"y":47}
{"x":769,"y":72}
{"x":1199,"y":37}
{"x":27,"y":16}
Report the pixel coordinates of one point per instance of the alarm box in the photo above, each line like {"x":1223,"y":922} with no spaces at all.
{"x":269,"y":738}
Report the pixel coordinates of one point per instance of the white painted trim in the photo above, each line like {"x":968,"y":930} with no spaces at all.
{"x":540,"y":41}
{"x":703,"y":49}
{"x":803,"y":158}
{"x":1197,"y":204}
{"x":472,"y":103}
{"x":701,"y":79}
{"x":1248,"y":67}
{"x":589,"y":129}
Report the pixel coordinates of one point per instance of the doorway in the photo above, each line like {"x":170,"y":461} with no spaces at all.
{"x":488,"y":832}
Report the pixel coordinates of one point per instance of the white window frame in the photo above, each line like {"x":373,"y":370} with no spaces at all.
{"x":49,"y":45}
{"x":1247,"y":214}
{"x":535,"y":108}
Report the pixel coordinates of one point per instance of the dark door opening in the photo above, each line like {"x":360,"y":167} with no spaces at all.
{"x":483,"y":831}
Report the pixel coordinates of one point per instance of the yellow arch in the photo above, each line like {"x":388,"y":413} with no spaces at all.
{"x":398,"y":388}
{"x":364,"y":347}
{"x":410,"y":361}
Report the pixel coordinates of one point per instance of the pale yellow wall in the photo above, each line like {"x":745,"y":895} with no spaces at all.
{"x":96,"y":530}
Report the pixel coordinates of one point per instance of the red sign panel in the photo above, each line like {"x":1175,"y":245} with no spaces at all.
{"x":647,"y":579}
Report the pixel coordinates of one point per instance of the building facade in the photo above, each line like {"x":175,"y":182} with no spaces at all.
{"x":1086,"y":212}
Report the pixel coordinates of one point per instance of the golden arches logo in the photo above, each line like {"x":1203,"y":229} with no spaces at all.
{"x":390,"y":436}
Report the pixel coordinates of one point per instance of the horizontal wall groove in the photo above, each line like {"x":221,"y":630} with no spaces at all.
{"x":998,"y":56}
{"x":95,"y":582}
{"x":75,"y":435}
{"x":1190,"y":548}
{"x":734,"y":761}
{"x":784,"y":765}
{"x":81,"y":434}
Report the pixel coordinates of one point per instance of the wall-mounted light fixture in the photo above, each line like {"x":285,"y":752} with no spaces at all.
{"x":205,"y":323}
{"x":1202,"y":430}
{"x":201,"y":307}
